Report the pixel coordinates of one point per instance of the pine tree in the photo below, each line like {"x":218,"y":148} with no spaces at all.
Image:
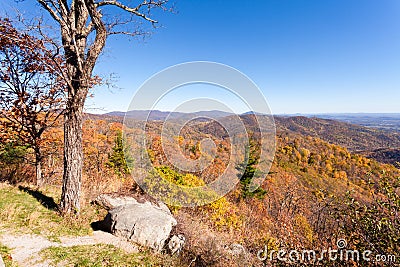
{"x":248,"y":171}
{"x":120,"y":160}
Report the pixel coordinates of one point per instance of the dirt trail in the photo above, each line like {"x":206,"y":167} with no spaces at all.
{"x":26,"y":248}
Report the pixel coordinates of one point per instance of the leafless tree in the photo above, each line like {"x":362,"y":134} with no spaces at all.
{"x":84,"y":26}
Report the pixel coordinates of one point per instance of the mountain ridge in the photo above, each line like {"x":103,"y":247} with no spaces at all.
{"x":372,"y":142}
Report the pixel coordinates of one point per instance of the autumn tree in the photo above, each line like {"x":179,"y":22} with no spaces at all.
{"x":376,"y":225}
{"x":31,"y":90}
{"x":84,"y":26}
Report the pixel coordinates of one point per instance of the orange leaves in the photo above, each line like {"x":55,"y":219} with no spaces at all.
{"x":115,"y":126}
{"x":23,"y":53}
{"x":31,"y":92}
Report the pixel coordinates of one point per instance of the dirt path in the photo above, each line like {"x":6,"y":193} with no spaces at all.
{"x":26,"y":248}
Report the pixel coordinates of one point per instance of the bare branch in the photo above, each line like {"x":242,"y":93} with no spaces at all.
{"x":100,"y":39}
{"x":88,"y":29}
{"x":64,"y":7}
{"x":129,"y":33}
{"x":51,"y":11}
{"x":131,"y":10}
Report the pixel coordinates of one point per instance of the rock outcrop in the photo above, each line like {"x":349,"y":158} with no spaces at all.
{"x":109,"y":202}
{"x":147,"y":224}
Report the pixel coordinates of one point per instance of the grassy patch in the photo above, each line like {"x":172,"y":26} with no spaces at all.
{"x":6,"y":256}
{"x":102,"y":255}
{"x":26,"y":210}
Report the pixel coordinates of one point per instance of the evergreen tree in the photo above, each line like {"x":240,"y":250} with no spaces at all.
{"x":248,"y":170}
{"x":12,"y":156}
{"x":120,"y":160}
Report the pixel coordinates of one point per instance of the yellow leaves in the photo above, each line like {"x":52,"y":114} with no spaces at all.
{"x":319,"y":194}
{"x":225,"y":215}
{"x":297,"y":155}
{"x":172,"y":176}
{"x":151,"y":155}
{"x":180,"y":139}
{"x":340,"y":175}
{"x":303,"y":228}
{"x":305,"y":153}
{"x":328,"y":166}
{"x":193,"y":180}
{"x":287,"y":150}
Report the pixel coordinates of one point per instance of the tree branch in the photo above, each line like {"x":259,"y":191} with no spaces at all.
{"x":131,"y":10}
{"x":52,"y":12}
{"x":100,"y":39}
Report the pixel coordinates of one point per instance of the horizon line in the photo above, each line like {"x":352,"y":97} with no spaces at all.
{"x":250,"y":111}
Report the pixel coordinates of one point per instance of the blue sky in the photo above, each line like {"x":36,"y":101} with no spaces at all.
{"x":307,"y":56}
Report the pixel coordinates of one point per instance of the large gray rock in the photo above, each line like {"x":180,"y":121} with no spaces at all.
{"x":109,"y":201}
{"x":146,"y":223}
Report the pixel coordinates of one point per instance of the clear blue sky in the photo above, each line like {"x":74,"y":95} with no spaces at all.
{"x":307,"y":56}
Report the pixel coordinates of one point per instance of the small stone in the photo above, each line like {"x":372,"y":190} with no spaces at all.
{"x":176,"y":244}
{"x":236,"y":250}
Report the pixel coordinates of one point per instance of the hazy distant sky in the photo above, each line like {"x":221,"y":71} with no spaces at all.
{"x":307,"y":56}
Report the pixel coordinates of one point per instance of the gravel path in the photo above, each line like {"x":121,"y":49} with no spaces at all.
{"x":26,"y":248}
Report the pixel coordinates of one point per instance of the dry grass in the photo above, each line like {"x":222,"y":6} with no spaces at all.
{"x":103,"y":255}
{"x":6,"y":256}
{"x":27,"y":210}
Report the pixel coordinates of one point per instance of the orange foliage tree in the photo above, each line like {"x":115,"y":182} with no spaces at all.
{"x":31,"y":87}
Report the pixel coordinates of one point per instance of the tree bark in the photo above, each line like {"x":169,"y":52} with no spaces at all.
{"x":73,"y":160}
{"x":78,"y":20}
{"x":38,"y":166}
{"x":80,"y":66}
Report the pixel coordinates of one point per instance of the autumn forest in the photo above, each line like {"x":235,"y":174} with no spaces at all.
{"x":127,"y":189}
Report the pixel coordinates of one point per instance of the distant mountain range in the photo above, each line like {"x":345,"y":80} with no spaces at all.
{"x":386,"y":121}
{"x":157,"y":115}
{"x":374,"y":135}
{"x":356,"y":138}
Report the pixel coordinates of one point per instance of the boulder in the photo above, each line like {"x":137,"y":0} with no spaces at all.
{"x":108,"y":201}
{"x":236,"y":250}
{"x":176,"y":244}
{"x":146,"y":224}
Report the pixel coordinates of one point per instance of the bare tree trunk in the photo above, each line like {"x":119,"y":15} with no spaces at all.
{"x":38,"y":166}
{"x":79,"y":19}
{"x":73,"y":160}
{"x":39,"y":178}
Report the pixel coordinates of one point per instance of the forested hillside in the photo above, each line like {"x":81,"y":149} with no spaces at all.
{"x":315,"y":192}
